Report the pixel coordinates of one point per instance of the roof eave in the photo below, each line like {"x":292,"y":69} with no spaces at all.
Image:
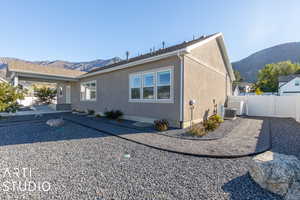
{"x":138,"y":62}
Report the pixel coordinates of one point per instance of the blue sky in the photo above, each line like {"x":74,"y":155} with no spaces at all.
{"x":85,"y":30}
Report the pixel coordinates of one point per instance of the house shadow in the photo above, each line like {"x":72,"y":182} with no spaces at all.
{"x":244,"y":188}
{"x":31,"y":129}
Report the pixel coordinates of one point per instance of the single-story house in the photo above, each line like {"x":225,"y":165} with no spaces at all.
{"x":289,"y":85}
{"x":157,"y":85}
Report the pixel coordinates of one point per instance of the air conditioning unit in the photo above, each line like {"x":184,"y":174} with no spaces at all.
{"x":230,"y":113}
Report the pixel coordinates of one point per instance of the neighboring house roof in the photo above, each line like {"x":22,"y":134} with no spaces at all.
{"x":244,"y":84}
{"x":287,"y":78}
{"x":22,"y":67}
{"x":184,"y":47}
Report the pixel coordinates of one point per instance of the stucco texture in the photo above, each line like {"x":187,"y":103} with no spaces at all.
{"x":113,"y":93}
{"x":206,"y":81}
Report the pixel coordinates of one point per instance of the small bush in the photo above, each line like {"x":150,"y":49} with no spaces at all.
{"x":161,"y":125}
{"x":98,"y":115}
{"x":197,"y":130}
{"x":210,"y":125}
{"x":113,"y":114}
{"x":90,"y":112}
{"x":9,"y":97}
{"x":217,"y":118}
{"x":45,"y":95}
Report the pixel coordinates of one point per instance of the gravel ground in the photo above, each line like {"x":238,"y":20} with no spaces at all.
{"x":81,"y":163}
{"x":225,"y":128}
{"x":251,"y":135}
{"x":286,"y":136}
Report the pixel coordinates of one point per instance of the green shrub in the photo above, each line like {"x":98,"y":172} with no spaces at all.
{"x":98,"y":115}
{"x":216,"y":118}
{"x":9,"y":97}
{"x":210,"y":125}
{"x":113,"y":114}
{"x":161,"y":125}
{"x":45,"y":95}
{"x":91,"y":112}
{"x":197,"y":130}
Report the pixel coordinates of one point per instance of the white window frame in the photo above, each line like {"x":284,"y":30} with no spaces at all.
{"x":154,"y":85}
{"x":86,"y":82}
{"x":155,"y":99}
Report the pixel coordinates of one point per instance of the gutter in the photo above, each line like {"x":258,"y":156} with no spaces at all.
{"x":181,"y":104}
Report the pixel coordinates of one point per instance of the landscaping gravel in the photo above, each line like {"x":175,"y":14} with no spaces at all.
{"x":82,"y":163}
{"x":224,"y":129}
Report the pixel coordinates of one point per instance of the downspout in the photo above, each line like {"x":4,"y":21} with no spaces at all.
{"x":181,"y":58}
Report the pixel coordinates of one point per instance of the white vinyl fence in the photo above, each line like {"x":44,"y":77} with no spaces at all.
{"x":269,"y":106}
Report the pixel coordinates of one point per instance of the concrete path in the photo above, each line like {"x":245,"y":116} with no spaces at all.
{"x":251,"y":136}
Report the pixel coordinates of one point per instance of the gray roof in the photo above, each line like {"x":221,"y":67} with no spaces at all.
{"x":287,"y":78}
{"x":155,"y":53}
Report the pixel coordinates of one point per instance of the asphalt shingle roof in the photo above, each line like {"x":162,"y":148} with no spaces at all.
{"x":39,"y":69}
{"x":155,"y":53}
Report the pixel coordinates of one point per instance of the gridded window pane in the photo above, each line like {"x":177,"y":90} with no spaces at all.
{"x":93,"y":85}
{"x":135,"y":93}
{"x":148,"y":92}
{"x":164,"y":78}
{"x":135,"y":81}
{"x":163,"y":92}
{"x":88,"y":90}
{"x":93,"y":95}
{"x":148,"y":80}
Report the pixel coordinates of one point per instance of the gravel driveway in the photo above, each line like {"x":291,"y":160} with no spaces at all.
{"x":81,"y":163}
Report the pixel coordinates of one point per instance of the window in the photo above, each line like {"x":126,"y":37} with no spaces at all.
{"x":164,"y":85}
{"x":135,"y":86}
{"x":297,"y":83}
{"x":88,"y":91}
{"x":151,"y":86}
{"x":148,"y":86}
{"x":60,"y":91}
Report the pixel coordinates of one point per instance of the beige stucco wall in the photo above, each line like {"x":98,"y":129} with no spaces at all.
{"x":113,"y":93}
{"x":204,"y":84}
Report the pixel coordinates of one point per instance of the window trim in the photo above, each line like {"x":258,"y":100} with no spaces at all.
{"x":153,"y":85}
{"x":85,"y":82}
{"x":155,"y":99}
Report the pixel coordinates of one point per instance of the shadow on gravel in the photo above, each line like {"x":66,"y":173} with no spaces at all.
{"x":285,"y":136}
{"x":264,"y":138}
{"x":37,"y":131}
{"x":244,"y":188}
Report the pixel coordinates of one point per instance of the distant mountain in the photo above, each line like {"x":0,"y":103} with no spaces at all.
{"x":249,"y":67}
{"x":82,"y":66}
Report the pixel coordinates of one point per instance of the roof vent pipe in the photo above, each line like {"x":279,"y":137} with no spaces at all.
{"x":127,"y":55}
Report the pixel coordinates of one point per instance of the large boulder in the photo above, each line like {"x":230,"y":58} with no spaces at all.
{"x":277,"y":173}
{"x":55,"y":122}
